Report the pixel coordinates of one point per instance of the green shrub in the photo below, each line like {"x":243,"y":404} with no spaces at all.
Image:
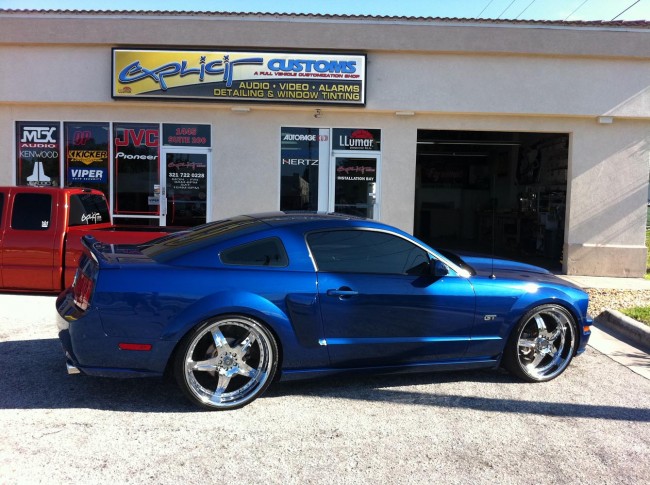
{"x":639,"y":313}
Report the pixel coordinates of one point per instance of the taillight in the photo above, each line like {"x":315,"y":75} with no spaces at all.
{"x":82,"y":289}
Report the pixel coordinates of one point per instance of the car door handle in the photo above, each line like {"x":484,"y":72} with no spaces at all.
{"x":342,"y":293}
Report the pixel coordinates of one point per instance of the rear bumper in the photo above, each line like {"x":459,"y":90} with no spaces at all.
{"x":88,"y":350}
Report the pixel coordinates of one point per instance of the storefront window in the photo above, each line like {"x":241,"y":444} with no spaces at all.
{"x":86,"y":155}
{"x":137,"y":168}
{"x":38,"y":153}
{"x":302,"y":154}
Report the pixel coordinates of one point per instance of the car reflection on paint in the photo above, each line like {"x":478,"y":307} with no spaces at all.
{"x":230,"y":306}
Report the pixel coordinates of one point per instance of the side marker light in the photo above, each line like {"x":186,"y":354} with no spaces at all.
{"x":129,"y":346}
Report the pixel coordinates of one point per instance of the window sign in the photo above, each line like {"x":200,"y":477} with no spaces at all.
{"x":86,"y":155}
{"x":303,"y":151}
{"x":355,"y":190}
{"x":137,"y":168}
{"x":186,"y":135}
{"x":38,"y":153}
{"x":356,"y":139}
{"x":187,"y":187}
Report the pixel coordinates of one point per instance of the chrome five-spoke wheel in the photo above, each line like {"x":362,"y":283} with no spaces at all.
{"x":542,"y":345}
{"x":227,"y":362}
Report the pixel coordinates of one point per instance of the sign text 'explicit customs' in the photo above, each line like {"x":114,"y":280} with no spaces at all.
{"x":240,"y":76}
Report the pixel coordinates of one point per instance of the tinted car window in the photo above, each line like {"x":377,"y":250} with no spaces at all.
{"x":88,"y":209}
{"x":32,"y":212}
{"x":358,"y":251}
{"x":266,"y":252}
{"x":176,"y":246}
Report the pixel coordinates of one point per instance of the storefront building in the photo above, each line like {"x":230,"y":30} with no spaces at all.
{"x":524,"y":139}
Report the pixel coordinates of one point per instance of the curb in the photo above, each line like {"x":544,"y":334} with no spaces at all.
{"x":635,"y":331}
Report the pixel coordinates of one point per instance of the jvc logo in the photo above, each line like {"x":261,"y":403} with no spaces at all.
{"x":138,"y":138}
{"x":38,"y":134}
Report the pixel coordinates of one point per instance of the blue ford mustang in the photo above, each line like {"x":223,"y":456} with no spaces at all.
{"x":231,"y":305}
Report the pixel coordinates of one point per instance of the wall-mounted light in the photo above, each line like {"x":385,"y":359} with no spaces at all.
{"x":317,"y":113}
{"x":605,"y":120}
{"x":240,"y":109}
{"x":404,"y":113}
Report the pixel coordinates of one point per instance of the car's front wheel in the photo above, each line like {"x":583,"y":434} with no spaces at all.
{"x":542,"y":345}
{"x":226,"y":362}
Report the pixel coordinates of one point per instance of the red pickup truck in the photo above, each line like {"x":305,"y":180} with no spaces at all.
{"x":40,"y":234}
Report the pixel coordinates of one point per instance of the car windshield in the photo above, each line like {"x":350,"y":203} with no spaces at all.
{"x":176,"y":245}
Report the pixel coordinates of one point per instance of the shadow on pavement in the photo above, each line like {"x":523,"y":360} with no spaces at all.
{"x":382,"y":389}
{"x":34,"y":377}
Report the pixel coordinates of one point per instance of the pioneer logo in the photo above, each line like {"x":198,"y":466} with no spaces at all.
{"x":128,"y":156}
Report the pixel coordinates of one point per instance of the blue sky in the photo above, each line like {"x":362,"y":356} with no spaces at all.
{"x":505,"y":9}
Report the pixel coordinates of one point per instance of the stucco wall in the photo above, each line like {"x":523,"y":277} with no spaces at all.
{"x":453,"y":77}
{"x":433,"y":83}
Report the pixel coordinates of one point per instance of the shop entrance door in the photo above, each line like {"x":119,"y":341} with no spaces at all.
{"x":185,"y":195}
{"x":355,"y":182}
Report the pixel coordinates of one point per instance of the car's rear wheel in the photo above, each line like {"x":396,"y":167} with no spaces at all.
{"x":226,"y":362}
{"x":542,"y":345}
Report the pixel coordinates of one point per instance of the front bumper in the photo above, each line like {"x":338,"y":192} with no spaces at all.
{"x":584,"y":335}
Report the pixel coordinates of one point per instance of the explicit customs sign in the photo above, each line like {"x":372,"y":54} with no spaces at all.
{"x":240,"y":76}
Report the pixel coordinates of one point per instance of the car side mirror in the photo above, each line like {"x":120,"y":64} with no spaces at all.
{"x":438,"y":268}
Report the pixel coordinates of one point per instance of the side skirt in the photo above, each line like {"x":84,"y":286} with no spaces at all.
{"x":299,"y":374}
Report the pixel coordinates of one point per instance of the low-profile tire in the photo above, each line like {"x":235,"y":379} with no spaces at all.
{"x":542,"y":345}
{"x":226,"y":362}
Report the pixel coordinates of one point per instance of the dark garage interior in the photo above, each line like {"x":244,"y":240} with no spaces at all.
{"x":500,"y":193}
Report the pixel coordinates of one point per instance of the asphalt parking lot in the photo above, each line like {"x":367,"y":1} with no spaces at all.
{"x":591,"y":425}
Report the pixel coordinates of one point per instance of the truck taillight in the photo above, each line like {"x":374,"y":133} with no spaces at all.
{"x":82,"y":289}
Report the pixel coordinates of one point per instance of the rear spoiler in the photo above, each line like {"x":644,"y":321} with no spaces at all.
{"x":97,"y":250}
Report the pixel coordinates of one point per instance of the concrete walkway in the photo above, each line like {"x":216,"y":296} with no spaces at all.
{"x":609,"y":335}
{"x":604,"y":282}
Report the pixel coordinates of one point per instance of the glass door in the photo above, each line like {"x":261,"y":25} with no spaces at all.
{"x":355,"y":182}
{"x":184,"y":198}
